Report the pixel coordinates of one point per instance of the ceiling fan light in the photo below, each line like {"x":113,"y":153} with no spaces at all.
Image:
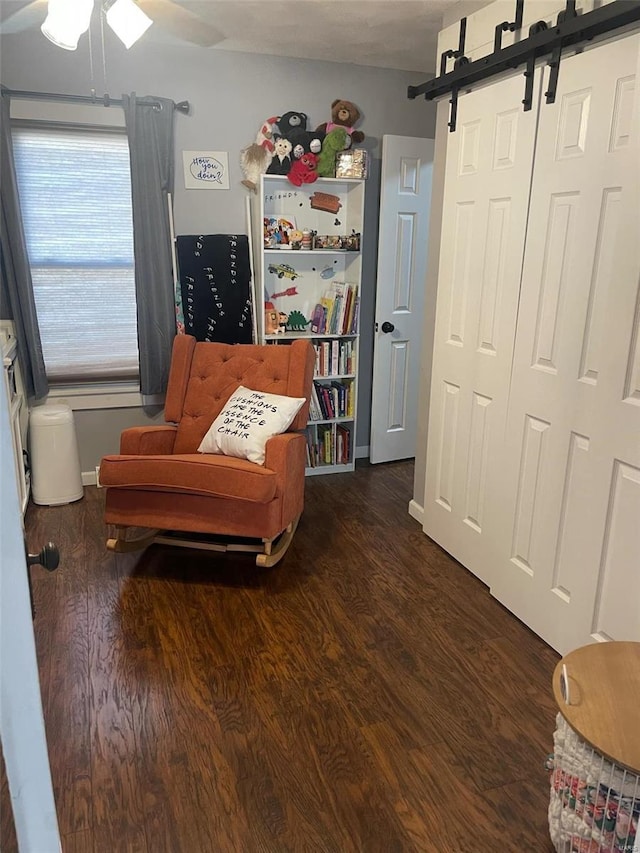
{"x":66,"y":21}
{"x":128,"y":21}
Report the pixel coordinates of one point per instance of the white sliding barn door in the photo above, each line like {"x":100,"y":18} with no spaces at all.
{"x":569,"y":512}
{"x":487,"y":182}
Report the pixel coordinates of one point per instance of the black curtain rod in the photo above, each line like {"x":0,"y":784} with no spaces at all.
{"x":105,"y":100}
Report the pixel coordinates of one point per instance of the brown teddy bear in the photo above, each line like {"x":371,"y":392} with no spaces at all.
{"x":343,"y":114}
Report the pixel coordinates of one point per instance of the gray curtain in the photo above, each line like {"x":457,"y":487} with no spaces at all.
{"x":150,"y":132}
{"x":18,"y":303}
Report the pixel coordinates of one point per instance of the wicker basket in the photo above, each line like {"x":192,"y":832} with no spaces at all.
{"x":594,"y":804}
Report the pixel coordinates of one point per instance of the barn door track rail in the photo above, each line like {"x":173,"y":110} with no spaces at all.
{"x":571,"y":30}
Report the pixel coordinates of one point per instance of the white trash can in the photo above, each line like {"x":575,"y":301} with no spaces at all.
{"x":55,"y":463}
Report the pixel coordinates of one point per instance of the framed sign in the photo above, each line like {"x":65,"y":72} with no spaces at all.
{"x":206,"y":170}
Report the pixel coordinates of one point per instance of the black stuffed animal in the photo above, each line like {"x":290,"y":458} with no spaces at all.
{"x":292,"y":126}
{"x":306,"y":142}
{"x":291,"y":121}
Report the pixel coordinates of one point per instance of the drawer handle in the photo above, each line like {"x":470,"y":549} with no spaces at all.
{"x":564,"y":684}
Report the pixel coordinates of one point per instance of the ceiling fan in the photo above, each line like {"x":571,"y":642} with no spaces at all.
{"x":124,"y":16}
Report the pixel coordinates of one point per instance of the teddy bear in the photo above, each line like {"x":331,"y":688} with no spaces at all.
{"x":336,"y":140}
{"x":281,"y":162}
{"x":290,"y":122}
{"x":343,"y":114}
{"x":304,"y":170}
{"x":256,"y":158}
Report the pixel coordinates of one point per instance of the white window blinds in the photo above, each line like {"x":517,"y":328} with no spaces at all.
{"x":75,"y":193}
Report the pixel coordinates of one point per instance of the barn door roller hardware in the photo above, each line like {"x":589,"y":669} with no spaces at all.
{"x":570,"y":30}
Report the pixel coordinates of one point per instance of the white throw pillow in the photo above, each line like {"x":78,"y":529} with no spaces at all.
{"x":247,"y":421}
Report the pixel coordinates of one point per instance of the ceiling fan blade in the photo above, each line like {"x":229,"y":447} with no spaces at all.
{"x":181,"y":23}
{"x":16,"y":15}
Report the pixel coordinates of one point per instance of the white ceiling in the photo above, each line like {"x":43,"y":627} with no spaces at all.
{"x":385,"y":33}
{"x":399,"y":34}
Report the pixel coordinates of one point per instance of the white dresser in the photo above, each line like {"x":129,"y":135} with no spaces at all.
{"x":18,"y":412}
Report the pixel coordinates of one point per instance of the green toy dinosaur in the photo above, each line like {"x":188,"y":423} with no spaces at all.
{"x":297,"y":322}
{"x":336,"y":140}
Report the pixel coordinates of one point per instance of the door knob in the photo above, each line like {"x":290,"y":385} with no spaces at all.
{"x":387,"y":327}
{"x":49,"y":557}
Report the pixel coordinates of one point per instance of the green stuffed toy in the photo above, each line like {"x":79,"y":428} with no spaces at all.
{"x":336,"y":140}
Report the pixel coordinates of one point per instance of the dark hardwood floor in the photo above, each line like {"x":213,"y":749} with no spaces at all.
{"x":367,"y":694}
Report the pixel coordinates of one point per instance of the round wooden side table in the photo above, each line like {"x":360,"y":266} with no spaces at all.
{"x":595,"y":779}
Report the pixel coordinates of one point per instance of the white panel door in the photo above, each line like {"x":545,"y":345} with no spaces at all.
{"x":487,"y":182}
{"x":570,"y":516}
{"x":22,"y":732}
{"x":405,"y":201}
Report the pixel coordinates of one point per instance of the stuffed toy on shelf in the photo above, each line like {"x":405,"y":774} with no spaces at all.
{"x":304,"y":170}
{"x":336,"y":140}
{"x":256,"y":158}
{"x":281,"y":161}
{"x":292,"y":125}
{"x":343,"y":114}
{"x":290,"y":122}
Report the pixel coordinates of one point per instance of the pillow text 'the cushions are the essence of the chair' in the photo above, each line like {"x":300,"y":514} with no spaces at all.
{"x":247,"y":421}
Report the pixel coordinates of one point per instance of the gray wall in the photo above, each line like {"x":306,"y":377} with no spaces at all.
{"x":230,"y":95}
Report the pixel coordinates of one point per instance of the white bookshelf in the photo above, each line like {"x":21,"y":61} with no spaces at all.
{"x":308,"y":275}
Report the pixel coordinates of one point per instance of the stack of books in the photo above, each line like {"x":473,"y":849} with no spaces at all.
{"x":331,"y":400}
{"x":328,"y":444}
{"x":335,"y":358}
{"x":338,"y":310}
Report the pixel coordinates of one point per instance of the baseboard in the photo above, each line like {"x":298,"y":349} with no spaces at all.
{"x":416,"y":511}
{"x":362,"y":452}
{"x":89,"y":478}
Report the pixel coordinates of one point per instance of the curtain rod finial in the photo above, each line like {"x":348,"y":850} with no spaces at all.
{"x":183,"y":107}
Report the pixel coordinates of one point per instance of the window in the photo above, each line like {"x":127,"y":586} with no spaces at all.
{"x":75,"y":193}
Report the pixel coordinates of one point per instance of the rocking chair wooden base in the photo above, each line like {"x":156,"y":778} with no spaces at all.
{"x":270,"y":552}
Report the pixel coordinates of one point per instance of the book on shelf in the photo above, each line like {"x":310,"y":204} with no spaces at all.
{"x":340,"y":399}
{"x":325,"y":444}
{"x":353,"y":327}
{"x":334,"y":366}
{"x":312,"y":448}
{"x":343,"y":444}
{"x":319,"y":409}
{"x":315,"y":412}
{"x":350,"y":413}
{"x":327,"y":398}
{"x":318,"y":319}
{"x":326,"y":357}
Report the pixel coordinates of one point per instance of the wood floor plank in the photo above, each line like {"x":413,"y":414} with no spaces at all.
{"x":77,"y":842}
{"x":117,"y":813}
{"x":67,"y":707}
{"x":367,"y":694}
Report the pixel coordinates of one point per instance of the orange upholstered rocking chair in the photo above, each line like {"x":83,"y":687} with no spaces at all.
{"x":160,"y":482}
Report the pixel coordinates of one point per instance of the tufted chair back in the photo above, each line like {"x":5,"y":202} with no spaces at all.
{"x":204,"y":375}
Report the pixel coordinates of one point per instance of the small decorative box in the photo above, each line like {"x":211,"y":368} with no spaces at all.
{"x":352,"y":164}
